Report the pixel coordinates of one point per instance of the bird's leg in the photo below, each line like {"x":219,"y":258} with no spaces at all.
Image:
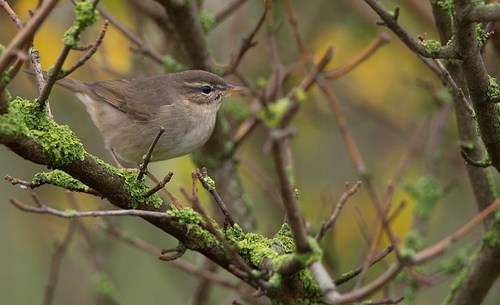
{"x":118,"y":164}
{"x":175,"y":201}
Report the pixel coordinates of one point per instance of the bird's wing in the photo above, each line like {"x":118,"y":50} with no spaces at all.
{"x":138,"y":98}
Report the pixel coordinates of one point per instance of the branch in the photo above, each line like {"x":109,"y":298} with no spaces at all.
{"x":92,"y":51}
{"x":347,"y":193}
{"x":30,"y":185}
{"x":211,"y":188}
{"x":41,"y":208}
{"x":350,"y":275}
{"x":147,"y":158}
{"x":143,"y":45}
{"x":246,"y":44}
{"x":446,"y":52}
{"x":379,"y":41}
{"x":227,"y":11}
{"x":443,"y":245}
{"x":24,"y":36}
{"x":55,"y":262}
{"x":483,"y":13}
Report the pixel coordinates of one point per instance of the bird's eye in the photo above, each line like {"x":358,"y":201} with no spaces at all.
{"x":206,"y":89}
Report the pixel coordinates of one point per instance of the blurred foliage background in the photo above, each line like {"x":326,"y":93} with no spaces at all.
{"x":384,"y":100}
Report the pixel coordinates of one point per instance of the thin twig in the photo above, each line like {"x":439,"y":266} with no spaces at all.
{"x":379,"y":41}
{"x":440,"y":247}
{"x":458,"y":91}
{"x":30,"y":185}
{"x":480,"y":164}
{"x":180,"y":250}
{"x":305,"y":85}
{"x":228,"y":11}
{"x":304,"y":54}
{"x":448,"y":52}
{"x":145,"y":47}
{"x":347,"y":193}
{"x":147,"y":158}
{"x":25,"y":34}
{"x":55,"y":262}
{"x":179,"y":263}
{"x":246,"y":44}
{"x":160,"y":185}
{"x":201,"y":177}
{"x":349,"y":275}
{"x":240,"y":263}
{"x":5,"y":5}
{"x":41,"y":208}
{"x":92,"y":51}
{"x":44,"y":95}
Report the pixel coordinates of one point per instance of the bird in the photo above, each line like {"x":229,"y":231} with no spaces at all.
{"x":130,"y":112}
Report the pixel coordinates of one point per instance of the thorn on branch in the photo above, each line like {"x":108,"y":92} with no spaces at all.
{"x":482,"y":164}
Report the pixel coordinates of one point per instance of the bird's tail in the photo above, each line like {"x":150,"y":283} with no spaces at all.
{"x":71,"y":84}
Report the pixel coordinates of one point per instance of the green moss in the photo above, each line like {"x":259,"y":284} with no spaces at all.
{"x":426,"y":192}
{"x":6,"y":76}
{"x":462,"y":278}
{"x":449,"y":6}
{"x":210,"y":182}
{"x":313,"y":292}
{"x":467,"y":144}
{"x":68,"y":38}
{"x":61,"y":73}
{"x":431,"y":46}
{"x":456,"y":262}
{"x":236,"y":109}
{"x":207,"y":20}
{"x":254,"y":247}
{"x":445,"y":94}
{"x":275,"y":280}
{"x":261,"y":82}
{"x":493,"y":88}
{"x":492,"y":186}
{"x":406,"y":254}
{"x":415,"y":240}
{"x":301,"y":96}
{"x":284,"y":238}
{"x":71,"y":212}
{"x":59,"y":143}
{"x":234,"y":233}
{"x":59,"y":178}
{"x":192,"y":219}
{"x":173,"y":65}
{"x":2,"y":49}
{"x":307,"y":258}
{"x":104,"y":286}
{"x":491,"y":238}
{"x":138,"y":189}
{"x":274,"y":113}
{"x":86,"y":15}
{"x":482,"y":36}
{"x":296,"y":193}
{"x":228,"y":148}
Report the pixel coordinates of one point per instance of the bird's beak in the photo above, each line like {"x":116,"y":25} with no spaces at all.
{"x":233,"y":89}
